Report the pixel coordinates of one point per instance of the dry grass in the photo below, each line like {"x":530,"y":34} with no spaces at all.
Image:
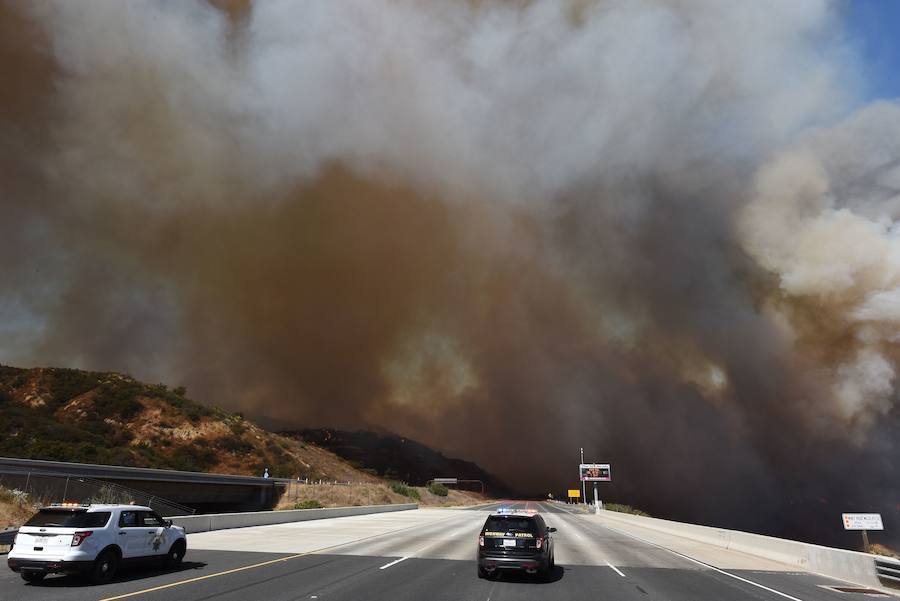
{"x":14,"y":510}
{"x":879,"y":549}
{"x":330,"y":495}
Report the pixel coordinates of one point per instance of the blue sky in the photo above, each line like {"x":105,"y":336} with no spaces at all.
{"x":874,"y":29}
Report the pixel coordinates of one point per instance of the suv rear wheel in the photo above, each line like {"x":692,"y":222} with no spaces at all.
{"x":105,"y":567}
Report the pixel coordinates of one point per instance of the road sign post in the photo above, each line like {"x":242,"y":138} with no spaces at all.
{"x":583,"y":494}
{"x":863,"y":522}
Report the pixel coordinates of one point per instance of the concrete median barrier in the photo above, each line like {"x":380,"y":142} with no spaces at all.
{"x":852,"y":566}
{"x":222,"y":521}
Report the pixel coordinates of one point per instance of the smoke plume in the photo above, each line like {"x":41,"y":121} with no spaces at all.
{"x":658,"y":229}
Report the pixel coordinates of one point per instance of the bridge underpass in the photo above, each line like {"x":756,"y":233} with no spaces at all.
{"x":205,"y":493}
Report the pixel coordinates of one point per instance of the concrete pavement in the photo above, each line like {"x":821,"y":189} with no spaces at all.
{"x":429,"y":554}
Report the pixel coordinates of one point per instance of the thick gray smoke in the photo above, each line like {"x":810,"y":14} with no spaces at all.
{"x":659,"y":229}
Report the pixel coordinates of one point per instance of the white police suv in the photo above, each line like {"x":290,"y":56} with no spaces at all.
{"x":69,"y":538}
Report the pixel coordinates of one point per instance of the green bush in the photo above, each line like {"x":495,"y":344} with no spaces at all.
{"x":282,"y":468}
{"x":308,"y":504}
{"x":234,"y":444}
{"x":118,"y":399}
{"x":191,"y":458}
{"x":237,"y":426}
{"x":66,"y":384}
{"x":407,"y":491}
{"x":436,"y":488}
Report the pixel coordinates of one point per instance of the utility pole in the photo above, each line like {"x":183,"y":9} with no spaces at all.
{"x":583,"y":493}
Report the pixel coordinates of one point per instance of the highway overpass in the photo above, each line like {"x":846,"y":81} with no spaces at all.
{"x":428,"y":554}
{"x":204,"y":492}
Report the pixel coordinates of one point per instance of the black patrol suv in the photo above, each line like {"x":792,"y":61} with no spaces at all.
{"x":516,"y":541}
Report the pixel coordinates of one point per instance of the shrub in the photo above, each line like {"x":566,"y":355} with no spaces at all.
{"x":192,"y":459}
{"x":14,"y":495}
{"x":282,"y":469}
{"x":436,"y":488}
{"x":237,"y":426}
{"x":118,"y":399}
{"x":109,"y":495}
{"x":407,"y":491}
{"x":624,"y":509}
{"x":234,"y":444}
{"x":66,"y":384}
{"x":308,"y":504}
{"x":194,"y":413}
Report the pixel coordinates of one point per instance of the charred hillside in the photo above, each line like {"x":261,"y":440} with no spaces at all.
{"x":398,"y":458}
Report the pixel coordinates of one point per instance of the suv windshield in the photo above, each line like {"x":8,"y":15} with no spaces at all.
{"x":66,"y":518}
{"x":510,"y":524}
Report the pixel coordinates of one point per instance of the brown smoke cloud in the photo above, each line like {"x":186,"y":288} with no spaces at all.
{"x":654,"y":229}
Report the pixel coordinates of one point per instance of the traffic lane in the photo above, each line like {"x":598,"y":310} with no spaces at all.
{"x":454,"y":538}
{"x":655,"y":570}
{"x":418,"y":564}
{"x":130,"y":578}
{"x":318,"y":535}
{"x":557,"y":507}
{"x":507,"y":504}
{"x":665,"y":571}
{"x":445,"y":563}
{"x":350,"y":578}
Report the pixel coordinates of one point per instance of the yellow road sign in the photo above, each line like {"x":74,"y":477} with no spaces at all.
{"x":574,"y":492}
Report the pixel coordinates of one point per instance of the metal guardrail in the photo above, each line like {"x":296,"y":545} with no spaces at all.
{"x":119,"y":472}
{"x":56,"y":486}
{"x":888,"y":570}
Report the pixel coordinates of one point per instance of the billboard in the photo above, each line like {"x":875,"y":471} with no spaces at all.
{"x":574,"y":493}
{"x":595,"y":472}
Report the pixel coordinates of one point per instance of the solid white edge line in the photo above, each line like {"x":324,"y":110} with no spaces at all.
{"x":615,"y":569}
{"x":393,"y":563}
{"x":706,"y":565}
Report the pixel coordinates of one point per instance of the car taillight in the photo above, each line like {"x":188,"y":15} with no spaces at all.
{"x":79,"y":537}
{"x":480,"y":541}
{"x":538,"y":542}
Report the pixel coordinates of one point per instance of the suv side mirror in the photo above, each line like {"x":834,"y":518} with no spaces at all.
{"x":168,"y":523}
{"x":551,"y":529}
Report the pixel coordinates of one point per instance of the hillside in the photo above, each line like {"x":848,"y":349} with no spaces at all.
{"x":109,"y":418}
{"x":398,"y":458}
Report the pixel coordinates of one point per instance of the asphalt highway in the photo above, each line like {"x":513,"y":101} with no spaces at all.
{"x":428,"y":554}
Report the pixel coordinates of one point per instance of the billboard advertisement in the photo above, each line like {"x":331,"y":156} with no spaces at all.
{"x":595,"y":472}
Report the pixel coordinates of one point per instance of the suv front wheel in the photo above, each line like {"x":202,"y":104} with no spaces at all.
{"x":175,"y":555}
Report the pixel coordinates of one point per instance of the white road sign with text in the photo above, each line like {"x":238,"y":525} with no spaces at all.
{"x":862,"y":521}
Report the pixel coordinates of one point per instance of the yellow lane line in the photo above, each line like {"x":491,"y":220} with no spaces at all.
{"x":266,"y":563}
{"x":198,"y":578}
